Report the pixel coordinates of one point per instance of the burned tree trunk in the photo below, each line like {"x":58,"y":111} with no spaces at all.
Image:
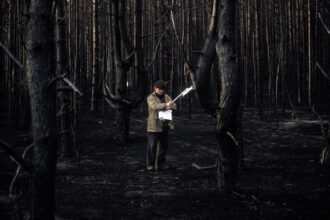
{"x":95,"y":51}
{"x":62,"y":68}
{"x":203,"y":73}
{"x":40,"y":69}
{"x":139,"y":70}
{"x":122,"y":100}
{"x":121,"y":112}
{"x":221,"y":39}
{"x":230,"y":97}
{"x":325,"y":155}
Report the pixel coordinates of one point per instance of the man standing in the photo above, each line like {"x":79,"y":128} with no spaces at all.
{"x":158,"y":129}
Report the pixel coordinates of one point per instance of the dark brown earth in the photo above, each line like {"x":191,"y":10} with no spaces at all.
{"x":281,"y":179}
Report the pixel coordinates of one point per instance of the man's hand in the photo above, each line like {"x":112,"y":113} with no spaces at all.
{"x":168,"y":105}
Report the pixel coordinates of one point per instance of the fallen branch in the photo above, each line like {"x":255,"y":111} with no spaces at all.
{"x":203,"y":167}
{"x":254,"y":198}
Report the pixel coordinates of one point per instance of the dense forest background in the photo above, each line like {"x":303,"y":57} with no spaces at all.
{"x":103,"y":57}
{"x":282,"y":50}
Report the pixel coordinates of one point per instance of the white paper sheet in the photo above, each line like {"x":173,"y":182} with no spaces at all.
{"x":165,"y":115}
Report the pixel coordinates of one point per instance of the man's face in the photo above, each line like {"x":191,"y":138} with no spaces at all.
{"x":159,"y":91}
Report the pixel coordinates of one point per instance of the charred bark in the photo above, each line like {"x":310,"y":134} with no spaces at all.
{"x":121,"y":100}
{"x":229,"y":98}
{"x":95,"y":54}
{"x":325,"y":154}
{"x":203,"y":73}
{"x":40,"y":69}
{"x":121,"y":114}
{"x":62,"y":67}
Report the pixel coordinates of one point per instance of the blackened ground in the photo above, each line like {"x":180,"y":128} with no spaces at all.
{"x":281,"y":179}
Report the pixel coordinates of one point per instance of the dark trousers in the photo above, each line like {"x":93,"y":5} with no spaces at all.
{"x":157,"y":147}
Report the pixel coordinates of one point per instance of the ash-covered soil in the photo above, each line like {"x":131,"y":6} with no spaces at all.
{"x":281,"y":177}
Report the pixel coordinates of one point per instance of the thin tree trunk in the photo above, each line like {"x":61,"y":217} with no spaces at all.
{"x":95,"y":54}
{"x":270,"y":66}
{"x":121,"y":112}
{"x":309,"y":52}
{"x":10,"y":70}
{"x":299,"y":54}
{"x":62,"y":67}
{"x":284,"y":39}
{"x":256,"y":60}
{"x":246,"y":76}
{"x":139,"y":56}
{"x":76,"y":82}
{"x":155,"y":74}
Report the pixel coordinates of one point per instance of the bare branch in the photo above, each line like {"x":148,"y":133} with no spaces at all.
{"x":112,"y":105}
{"x":54,"y":7}
{"x":127,"y":59}
{"x":165,"y":31}
{"x":107,"y":94}
{"x":72,"y":85}
{"x":326,"y":10}
{"x":16,"y":157}
{"x":60,"y":111}
{"x":11,"y":195}
{"x":188,"y":70}
{"x":12,"y":56}
{"x":63,"y":88}
{"x":60,"y":20}
{"x":324,"y":25}
{"x":232,"y":137}
{"x":157,"y":46}
{"x":54,"y":80}
{"x":322,"y":70}
{"x":321,"y":121}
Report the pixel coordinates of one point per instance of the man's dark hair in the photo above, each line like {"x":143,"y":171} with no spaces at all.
{"x":160,"y":84}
